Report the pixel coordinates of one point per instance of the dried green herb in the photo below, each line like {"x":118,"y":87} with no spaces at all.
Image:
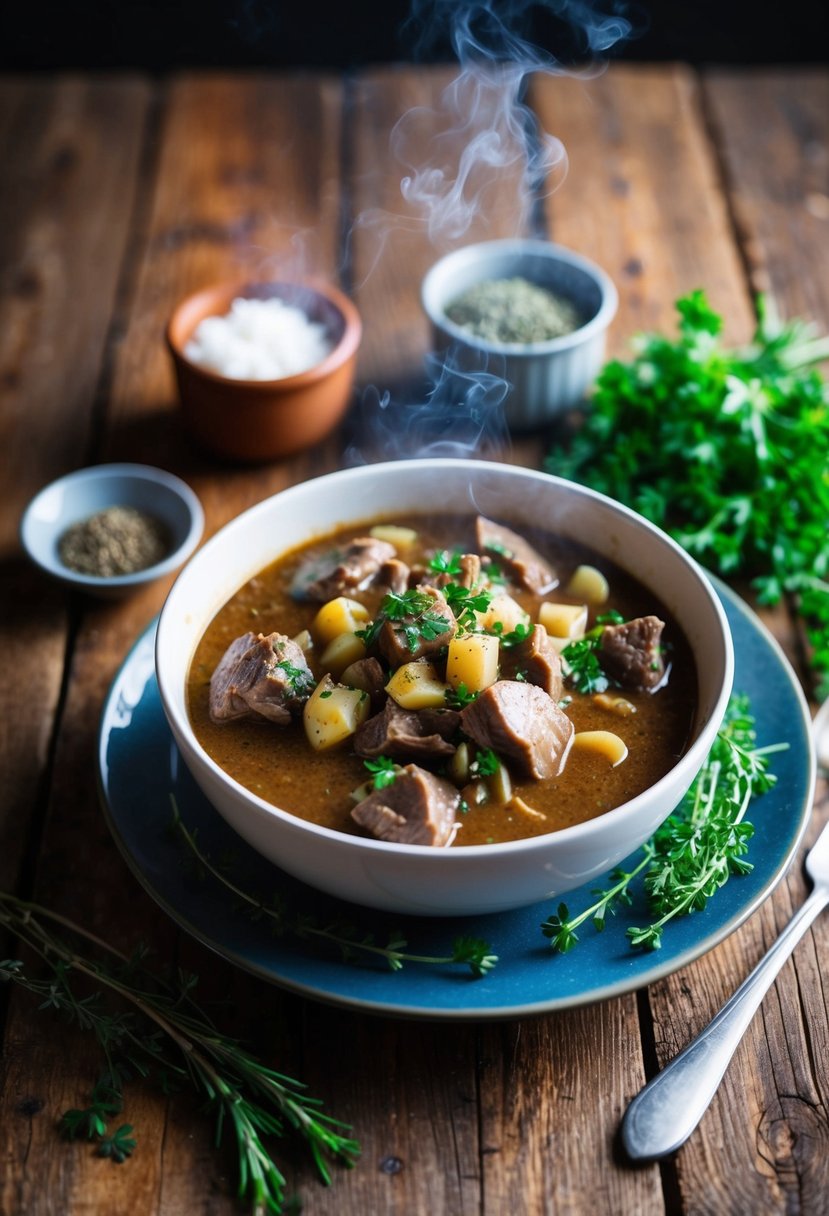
{"x":513,"y":310}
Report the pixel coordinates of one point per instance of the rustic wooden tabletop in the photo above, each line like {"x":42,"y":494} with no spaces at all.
{"x":121,"y":194}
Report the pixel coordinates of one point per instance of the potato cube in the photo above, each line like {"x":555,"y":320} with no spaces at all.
{"x":473,"y":660}
{"x":333,"y":713}
{"x":340,"y":615}
{"x":345,"y":648}
{"x":416,"y":685}
{"x":394,"y":534}
{"x":563,"y":620}
{"x":588,"y":583}
{"x":304,"y":641}
{"x":505,"y":612}
{"x":602,"y":743}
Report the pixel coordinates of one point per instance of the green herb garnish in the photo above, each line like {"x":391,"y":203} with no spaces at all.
{"x":445,"y":562}
{"x":460,"y":696}
{"x":353,"y":944}
{"x":412,"y":616}
{"x":299,"y":679}
{"x":728,"y":450}
{"x":152,"y":1028}
{"x":485,"y":764}
{"x":511,"y":637}
{"x":583,"y":669}
{"x":465,"y":602}
{"x":697,"y":848}
{"x":383,"y":770}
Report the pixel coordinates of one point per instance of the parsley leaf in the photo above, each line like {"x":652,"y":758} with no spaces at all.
{"x":726,"y":449}
{"x":383,"y":770}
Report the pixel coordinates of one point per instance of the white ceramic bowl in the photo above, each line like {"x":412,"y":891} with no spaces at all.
{"x":83,"y":493}
{"x":546,"y":378}
{"x":415,"y":878}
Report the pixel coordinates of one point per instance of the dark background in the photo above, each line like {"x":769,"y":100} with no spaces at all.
{"x":163,"y":34}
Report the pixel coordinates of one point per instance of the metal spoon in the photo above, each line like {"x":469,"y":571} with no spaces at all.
{"x":664,"y":1114}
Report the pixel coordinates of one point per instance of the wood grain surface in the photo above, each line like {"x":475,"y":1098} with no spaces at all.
{"x":120,"y":196}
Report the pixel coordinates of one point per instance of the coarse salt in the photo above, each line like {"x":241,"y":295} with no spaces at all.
{"x":259,"y":340}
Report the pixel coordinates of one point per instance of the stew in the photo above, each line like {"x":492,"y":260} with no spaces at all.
{"x":443,"y":681}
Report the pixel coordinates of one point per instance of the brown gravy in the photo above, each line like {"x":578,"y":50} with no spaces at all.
{"x":276,"y":762}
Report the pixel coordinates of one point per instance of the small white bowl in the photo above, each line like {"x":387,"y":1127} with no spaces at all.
{"x":414,"y":878}
{"x":546,"y":378}
{"x":79,"y":495}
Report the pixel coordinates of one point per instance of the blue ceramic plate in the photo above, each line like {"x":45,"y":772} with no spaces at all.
{"x":140,"y":767}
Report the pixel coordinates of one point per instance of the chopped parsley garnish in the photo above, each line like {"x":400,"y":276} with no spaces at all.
{"x":445,"y":562}
{"x":465,"y":602}
{"x":485,"y":764}
{"x":457,"y":698}
{"x":299,"y":679}
{"x":512,"y":637}
{"x":584,"y":670}
{"x":383,"y":770}
{"x":412,"y":616}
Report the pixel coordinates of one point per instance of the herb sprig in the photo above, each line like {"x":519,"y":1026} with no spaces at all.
{"x":726,"y":449}
{"x":155,"y":1027}
{"x":352,"y":944}
{"x":697,"y":848}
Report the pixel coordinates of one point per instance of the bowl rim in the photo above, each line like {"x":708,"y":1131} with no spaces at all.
{"x":692,"y":758}
{"x":233,"y":289}
{"x":126,"y":472}
{"x":522,"y":245}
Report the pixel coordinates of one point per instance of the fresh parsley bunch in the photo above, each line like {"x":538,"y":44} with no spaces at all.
{"x":727,"y":450}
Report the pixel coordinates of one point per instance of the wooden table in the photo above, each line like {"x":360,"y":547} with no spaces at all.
{"x":121,"y":195}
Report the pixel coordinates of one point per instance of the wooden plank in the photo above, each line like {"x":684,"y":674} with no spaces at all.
{"x":70,"y":151}
{"x":775,"y":1152}
{"x":642,"y":195}
{"x":232,"y":183}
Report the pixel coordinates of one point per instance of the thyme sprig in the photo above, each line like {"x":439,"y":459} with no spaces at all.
{"x":698,"y":848}
{"x":351,"y":943}
{"x":157,"y":1027}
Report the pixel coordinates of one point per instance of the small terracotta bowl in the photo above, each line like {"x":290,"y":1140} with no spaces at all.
{"x":258,"y":420}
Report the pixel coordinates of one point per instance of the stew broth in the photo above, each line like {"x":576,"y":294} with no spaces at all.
{"x":276,"y":762}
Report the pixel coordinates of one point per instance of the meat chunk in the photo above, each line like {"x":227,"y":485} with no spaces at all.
{"x":369,"y":676}
{"x":631,"y":652}
{"x":406,"y":734}
{"x":260,"y":675}
{"x":516,"y":555}
{"x":429,"y":626}
{"x":523,"y":725}
{"x":535,"y":660}
{"x":417,"y":808}
{"x":341,"y":570}
{"x":393,"y":575}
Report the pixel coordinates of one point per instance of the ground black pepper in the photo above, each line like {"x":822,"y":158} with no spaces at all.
{"x":117,"y":540}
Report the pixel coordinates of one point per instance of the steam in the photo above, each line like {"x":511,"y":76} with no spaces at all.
{"x":460,"y":415}
{"x":484,"y":134}
{"x":483,"y":111}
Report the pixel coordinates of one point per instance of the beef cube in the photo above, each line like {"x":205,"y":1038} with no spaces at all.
{"x":516,"y":555}
{"x":393,"y":575}
{"x":535,"y":660}
{"x":406,"y":734}
{"x":421,"y":632}
{"x":367,"y":675}
{"x":631,"y":652}
{"x":417,"y":808}
{"x":258,"y":675}
{"x":523,"y":725}
{"x":341,"y":570}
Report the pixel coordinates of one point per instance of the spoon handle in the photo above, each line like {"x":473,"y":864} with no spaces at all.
{"x":662,"y":1116}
